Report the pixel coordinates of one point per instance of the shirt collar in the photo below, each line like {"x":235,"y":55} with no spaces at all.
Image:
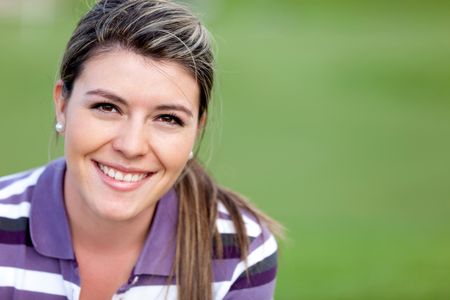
{"x":49,"y":226}
{"x":50,"y":231}
{"x":158,"y":255}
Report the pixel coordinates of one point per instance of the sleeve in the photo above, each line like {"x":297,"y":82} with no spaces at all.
{"x":256,"y":278}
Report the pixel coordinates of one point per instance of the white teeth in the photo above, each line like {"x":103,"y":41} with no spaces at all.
{"x":127,"y":177}
{"x":111,"y":173}
{"x":119,"y":176}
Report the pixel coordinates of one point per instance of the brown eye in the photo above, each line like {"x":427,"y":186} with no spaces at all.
{"x":106,"y":107}
{"x":171,"y":119}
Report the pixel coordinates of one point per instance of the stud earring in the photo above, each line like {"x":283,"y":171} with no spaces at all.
{"x":191,"y":155}
{"x":59,"y":127}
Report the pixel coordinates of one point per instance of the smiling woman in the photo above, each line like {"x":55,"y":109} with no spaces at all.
{"x":127,"y":144}
{"x":128,"y":212}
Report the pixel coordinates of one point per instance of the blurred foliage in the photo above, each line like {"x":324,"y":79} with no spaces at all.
{"x":334,"y":117}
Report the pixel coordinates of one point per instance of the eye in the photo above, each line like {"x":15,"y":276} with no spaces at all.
{"x":170,"y":119}
{"x":106,"y":107}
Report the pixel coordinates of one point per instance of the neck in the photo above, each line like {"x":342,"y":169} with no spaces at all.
{"x":108,"y":237}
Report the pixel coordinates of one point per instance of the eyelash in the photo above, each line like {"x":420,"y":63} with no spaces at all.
{"x":102,"y":105}
{"x":169,"y":118}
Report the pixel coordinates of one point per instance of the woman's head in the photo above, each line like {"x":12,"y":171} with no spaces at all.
{"x":135,"y":83}
{"x":158,"y":29}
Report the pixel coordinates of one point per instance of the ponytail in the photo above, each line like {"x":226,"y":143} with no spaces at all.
{"x":198,"y":240}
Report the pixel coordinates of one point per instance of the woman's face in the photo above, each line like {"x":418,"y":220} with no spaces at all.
{"x":130,"y":124}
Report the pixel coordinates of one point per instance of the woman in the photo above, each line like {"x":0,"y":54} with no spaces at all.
{"x":129,"y":213}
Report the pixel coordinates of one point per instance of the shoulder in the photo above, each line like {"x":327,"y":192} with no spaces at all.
{"x":254,"y":277}
{"x":26,"y":271}
{"x":15,"y":205}
{"x":259,"y":236}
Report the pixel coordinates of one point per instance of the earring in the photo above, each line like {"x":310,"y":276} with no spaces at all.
{"x":191,"y":155}
{"x":59,"y":127}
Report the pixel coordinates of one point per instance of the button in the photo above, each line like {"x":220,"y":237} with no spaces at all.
{"x":135,"y":280}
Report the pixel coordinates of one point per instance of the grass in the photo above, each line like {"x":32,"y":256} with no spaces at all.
{"x":335,"y":120}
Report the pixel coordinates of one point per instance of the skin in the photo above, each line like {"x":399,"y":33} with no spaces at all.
{"x":135,"y":115}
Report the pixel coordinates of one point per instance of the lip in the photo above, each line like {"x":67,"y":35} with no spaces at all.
{"x":122,"y":168}
{"x":121,"y":186}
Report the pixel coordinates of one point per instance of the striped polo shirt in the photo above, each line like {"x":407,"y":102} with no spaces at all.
{"x":37,"y":260}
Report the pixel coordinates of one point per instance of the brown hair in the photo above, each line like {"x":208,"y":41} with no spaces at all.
{"x":161,"y":29}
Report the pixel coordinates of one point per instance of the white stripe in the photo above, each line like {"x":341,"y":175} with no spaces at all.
{"x":265,"y":250}
{"x":253,"y":228}
{"x":149,"y":292}
{"x":72,"y":290}
{"x":8,"y":177}
{"x":39,"y":282}
{"x":227,"y":226}
{"x":222,"y":208}
{"x":20,"y":186}
{"x":15,"y":211}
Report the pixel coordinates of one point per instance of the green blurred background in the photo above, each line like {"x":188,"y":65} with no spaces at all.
{"x":334,"y":119}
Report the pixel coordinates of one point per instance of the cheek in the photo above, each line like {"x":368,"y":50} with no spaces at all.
{"x":84,"y":136}
{"x":173,"y":150}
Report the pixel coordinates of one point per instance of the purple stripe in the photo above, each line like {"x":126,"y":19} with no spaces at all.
{"x":5,"y":182}
{"x":146,"y":280}
{"x":12,"y":293}
{"x":25,"y":196}
{"x":15,"y":237}
{"x":245,"y":282}
{"x":13,"y":256}
{"x":224,"y":216}
{"x":223,"y":268}
{"x":229,"y":252}
{"x":230,"y":247}
{"x":153,"y":280}
{"x":262,"y":292}
{"x":260,"y":239}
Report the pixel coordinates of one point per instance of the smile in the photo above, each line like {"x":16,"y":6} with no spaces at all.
{"x":121,"y":176}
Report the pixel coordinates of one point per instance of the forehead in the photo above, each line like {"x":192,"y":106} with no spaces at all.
{"x":135,"y":76}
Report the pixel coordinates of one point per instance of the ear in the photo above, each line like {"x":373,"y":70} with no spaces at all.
{"x":60,"y":102}
{"x":201,"y":124}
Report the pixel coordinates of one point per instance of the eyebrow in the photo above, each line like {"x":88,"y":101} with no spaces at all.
{"x":175,"y":107}
{"x":119,"y":99}
{"x":106,"y":94}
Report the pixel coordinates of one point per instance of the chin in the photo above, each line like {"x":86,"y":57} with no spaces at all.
{"x":119,"y":211}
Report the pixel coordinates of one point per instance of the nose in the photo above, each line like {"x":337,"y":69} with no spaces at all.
{"x":132,"y":140}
